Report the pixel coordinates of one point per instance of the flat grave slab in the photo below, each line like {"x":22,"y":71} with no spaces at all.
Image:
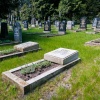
{"x":61,"y":56}
{"x":27,"y":46}
{"x":91,"y":32}
{"x":95,"y":42}
{"x":19,"y":51}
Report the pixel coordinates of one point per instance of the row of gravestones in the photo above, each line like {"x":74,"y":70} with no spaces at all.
{"x":47,"y":27}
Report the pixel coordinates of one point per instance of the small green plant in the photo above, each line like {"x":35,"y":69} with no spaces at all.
{"x":7,"y":51}
{"x":32,"y":68}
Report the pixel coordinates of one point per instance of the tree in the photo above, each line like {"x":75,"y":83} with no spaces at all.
{"x":6,"y":6}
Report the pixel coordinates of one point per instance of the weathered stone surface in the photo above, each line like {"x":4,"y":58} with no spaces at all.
{"x":91,"y":32}
{"x":61,"y":56}
{"x":27,"y":46}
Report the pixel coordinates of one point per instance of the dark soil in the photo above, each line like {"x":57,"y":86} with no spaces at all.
{"x":37,"y":72}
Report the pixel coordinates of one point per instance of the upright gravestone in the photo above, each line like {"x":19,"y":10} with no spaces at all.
{"x":37,"y":23}
{"x":57,"y":25}
{"x":33,"y":22}
{"x":83,"y":23}
{"x":17,"y":32}
{"x":47,"y":27}
{"x":4,"y":30}
{"x":62,"y":27}
{"x":98,"y":25}
{"x":69,"y":25}
{"x":40,"y":25}
{"x":25,"y":24}
{"x":94,"y":22}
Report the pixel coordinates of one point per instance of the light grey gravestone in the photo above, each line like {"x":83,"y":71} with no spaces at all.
{"x":33,"y":22}
{"x":94,"y":24}
{"x":69,"y":25}
{"x":37,"y":23}
{"x":27,"y":46}
{"x":61,"y":56}
{"x":17,"y":32}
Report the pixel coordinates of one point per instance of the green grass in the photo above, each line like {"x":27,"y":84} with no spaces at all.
{"x":85,"y":76}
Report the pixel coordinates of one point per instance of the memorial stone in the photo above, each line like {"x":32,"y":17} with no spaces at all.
{"x":94,"y":24}
{"x":61,"y":56}
{"x":69,"y":25}
{"x":27,"y":46}
{"x":47,"y":27}
{"x":33,"y":22}
{"x":36,"y":22}
{"x":25,"y":24}
{"x":17,"y":32}
{"x":4,"y":30}
{"x":83,"y":23}
{"x":98,"y":25}
{"x":40,"y":25}
{"x":62,"y":27}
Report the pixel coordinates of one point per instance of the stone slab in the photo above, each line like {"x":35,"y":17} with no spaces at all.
{"x":61,"y":56}
{"x":27,"y":46}
{"x":91,"y":32}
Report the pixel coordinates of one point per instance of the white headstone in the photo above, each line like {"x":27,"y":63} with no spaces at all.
{"x":27,"y":46}
{"x":69,"y":24}
{"x":61,"y":56}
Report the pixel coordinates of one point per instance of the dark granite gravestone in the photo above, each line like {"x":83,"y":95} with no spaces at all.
{"x":97,"y":29}
{"x":69,"y":25}
{"x":47,"y":27}
{"x":62,"y":27}
{"x":4,"y":30}
{"x":33,"y":22}
{"x":83,"y":23}
{"x":98,"y":23}
{"x":25,"y":24}
{"x":17,"y":32}
{"x":94,"y":22}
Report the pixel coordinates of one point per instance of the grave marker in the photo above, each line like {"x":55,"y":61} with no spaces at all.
{"x":61,"y":56}
{"x":25,"y":24}
{"x":62,"y":27}
{"x":33,"y":22}
{"x":27,"y":46}
{"x":83,"y":23}
{"x":4,"y":30}
{"x":17,"y":32}
{"x":69,"y":25}
{"x":47,"y":27}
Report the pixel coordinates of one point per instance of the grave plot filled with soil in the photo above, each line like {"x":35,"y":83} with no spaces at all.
{"x":93,"y":42}
{"x":29,"y":72}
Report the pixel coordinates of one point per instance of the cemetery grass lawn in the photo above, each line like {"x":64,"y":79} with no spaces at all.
{"x":85,"y":76}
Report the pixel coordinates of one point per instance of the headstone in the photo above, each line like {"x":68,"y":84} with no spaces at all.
{"x":27,"y":46}
{"x":47,"y":27}
{"x":57,"y":25}
{"x":25,"y":22}
{"x":4,"y":30}
{"x":97,"y":29}
{"x":73,"y":23}
{"x":33,"y":22}
{"x":69,"y":25}
{"x":40,"y":25}
{"x":36,"y":22}
{"x":61,"y":56}
{"x":62,"y":27}
{"x":17,"y":32}
{"x":94,"y":24}
{"x":83,"y":23}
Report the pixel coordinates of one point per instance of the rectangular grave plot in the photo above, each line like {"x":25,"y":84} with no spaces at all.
{"x":27,"y":86}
